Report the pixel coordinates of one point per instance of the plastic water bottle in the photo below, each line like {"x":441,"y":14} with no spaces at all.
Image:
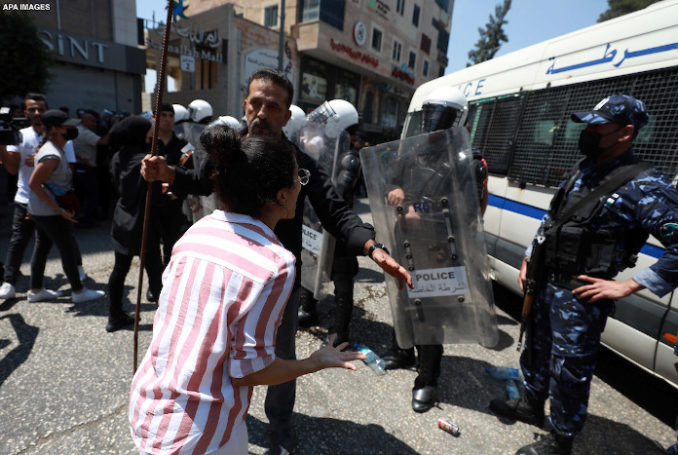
{"x":504,"y":373}
{"x":512,"y":390}
{"x":372,"y":359}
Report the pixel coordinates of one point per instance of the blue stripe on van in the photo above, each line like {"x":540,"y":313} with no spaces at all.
{"x":537,"y":213}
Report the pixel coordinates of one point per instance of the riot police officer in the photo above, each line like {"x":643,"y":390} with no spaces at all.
{"x":597,"y":222}
{"x":334,"y":118}
{"x":443,"y":108}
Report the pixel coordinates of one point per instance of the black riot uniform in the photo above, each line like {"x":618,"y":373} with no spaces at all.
{"x":344,"y":264}
{"x":423,"y":175}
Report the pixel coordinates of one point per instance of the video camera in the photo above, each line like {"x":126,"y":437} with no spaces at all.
{"x":10,"y":126}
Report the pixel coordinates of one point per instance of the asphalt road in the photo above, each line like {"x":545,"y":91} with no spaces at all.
{"x":64,"y":382}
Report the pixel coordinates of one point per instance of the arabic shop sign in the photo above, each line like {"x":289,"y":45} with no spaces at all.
{"x":201,"y":44}
{"x":402,"y":72}
{"x":438,"y":282}
{"x":189,"y":51}
{"x":611,"y":56}
{"x":352,"y":53}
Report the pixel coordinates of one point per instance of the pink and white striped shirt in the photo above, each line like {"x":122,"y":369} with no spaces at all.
{"x":223,"y":296}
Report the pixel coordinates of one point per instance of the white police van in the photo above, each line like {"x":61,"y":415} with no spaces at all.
{"x":519,"y":117}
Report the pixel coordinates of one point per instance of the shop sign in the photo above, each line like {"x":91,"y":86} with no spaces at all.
{"x":359,"y":33}
{"x":402,"y":72}
{"x":84,"y":50}
{"x":189,"y":51}
{"x":352,"y":53}
{"x":187,"y":64}
{"x":195,"y":35}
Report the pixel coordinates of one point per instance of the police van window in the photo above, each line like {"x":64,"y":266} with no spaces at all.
{"x":413,"y":124}
{"x":544,"y":131}
{"x":494,"y":130}
{"x":646,"y":135}
{"x":572,"y":132}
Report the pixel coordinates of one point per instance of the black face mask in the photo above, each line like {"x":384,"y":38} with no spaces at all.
{"x":589,"y":143}
{"x":71,"y":133}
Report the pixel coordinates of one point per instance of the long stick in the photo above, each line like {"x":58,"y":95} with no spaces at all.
{"x":159,"y":86}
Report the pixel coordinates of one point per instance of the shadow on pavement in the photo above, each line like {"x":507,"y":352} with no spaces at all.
{"x":601,"y":435}
{"x":26,"y":335}
{"x":322,"y":435}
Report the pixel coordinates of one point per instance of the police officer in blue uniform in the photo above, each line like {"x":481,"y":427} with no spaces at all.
{"x":584,"y":250}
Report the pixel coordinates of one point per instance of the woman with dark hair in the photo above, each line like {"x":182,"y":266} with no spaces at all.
{"x":130,"y":136}
{"x":51,"y":183}
{"x":222,"y":300}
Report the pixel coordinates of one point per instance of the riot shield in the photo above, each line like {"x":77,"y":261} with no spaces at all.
{"x":318,"y":245}
{"x":424,"y":206}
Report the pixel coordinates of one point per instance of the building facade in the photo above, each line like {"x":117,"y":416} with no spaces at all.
{"x":97,"y":61}
{"x":211,"y":55}
{"x":373,"y":53}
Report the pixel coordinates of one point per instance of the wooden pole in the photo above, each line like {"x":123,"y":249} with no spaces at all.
{"x":159,"y":87}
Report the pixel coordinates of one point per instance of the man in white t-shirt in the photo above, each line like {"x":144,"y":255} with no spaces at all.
{"x":19,"y":159}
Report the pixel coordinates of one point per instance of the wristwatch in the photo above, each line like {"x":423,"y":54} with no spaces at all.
{"x":374,"y":247}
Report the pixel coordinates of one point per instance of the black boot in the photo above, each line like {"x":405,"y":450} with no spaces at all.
{"x":524,"y":409}
{"x":307,"y":314}
{"x":150,"y":297}
{"x":343,"y":307}
{"x":118,"y":320}
{"x":551,"y":444}
{"x":424,"y":391}
{"x":396,"y":358}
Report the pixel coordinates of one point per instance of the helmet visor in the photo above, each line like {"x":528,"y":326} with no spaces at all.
{"x":321,"y":114}
{"x":437,"y":117}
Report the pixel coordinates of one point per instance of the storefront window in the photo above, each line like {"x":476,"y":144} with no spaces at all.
{"x":346,"y":92}
{"x":313,"y":88}
{"x":389,"y":113}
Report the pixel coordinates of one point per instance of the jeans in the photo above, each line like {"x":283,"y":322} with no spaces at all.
{"x":55,"y":230}
{"x":22,"y":230}
{"x":280,"y":398}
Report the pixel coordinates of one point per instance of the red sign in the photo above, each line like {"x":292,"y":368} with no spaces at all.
{"x":355,"y":55}
{"x":402,"y":75}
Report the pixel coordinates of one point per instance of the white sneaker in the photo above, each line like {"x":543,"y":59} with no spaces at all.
{"x":7,"y":291}
{"x":43,"y":295}
{"x":82,"y":273}
{"x":85,"y":295}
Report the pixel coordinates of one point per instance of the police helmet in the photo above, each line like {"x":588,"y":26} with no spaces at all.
{"x":336,"y":115}
{"x":180,"y":113}
{"x":295,"y":123}
{"x":444,"y":107}
{"x":200,"y":111}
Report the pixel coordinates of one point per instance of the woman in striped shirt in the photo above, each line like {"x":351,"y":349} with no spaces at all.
{"x":223,"y":295}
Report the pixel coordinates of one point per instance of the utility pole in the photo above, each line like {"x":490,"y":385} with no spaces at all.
{"x":281,"y":40}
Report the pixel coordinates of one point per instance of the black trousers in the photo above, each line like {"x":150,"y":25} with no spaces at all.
{"x":58,"y":231}
{"x":116,"y":282}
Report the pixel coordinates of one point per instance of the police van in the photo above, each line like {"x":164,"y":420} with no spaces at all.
{"x":519,"y":117}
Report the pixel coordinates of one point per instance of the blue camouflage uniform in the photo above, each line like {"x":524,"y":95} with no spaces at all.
{"x":566,"y":330}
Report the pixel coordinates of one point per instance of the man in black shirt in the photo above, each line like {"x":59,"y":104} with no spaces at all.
{"x":168,"y":214}
{"x":267,"y":110}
